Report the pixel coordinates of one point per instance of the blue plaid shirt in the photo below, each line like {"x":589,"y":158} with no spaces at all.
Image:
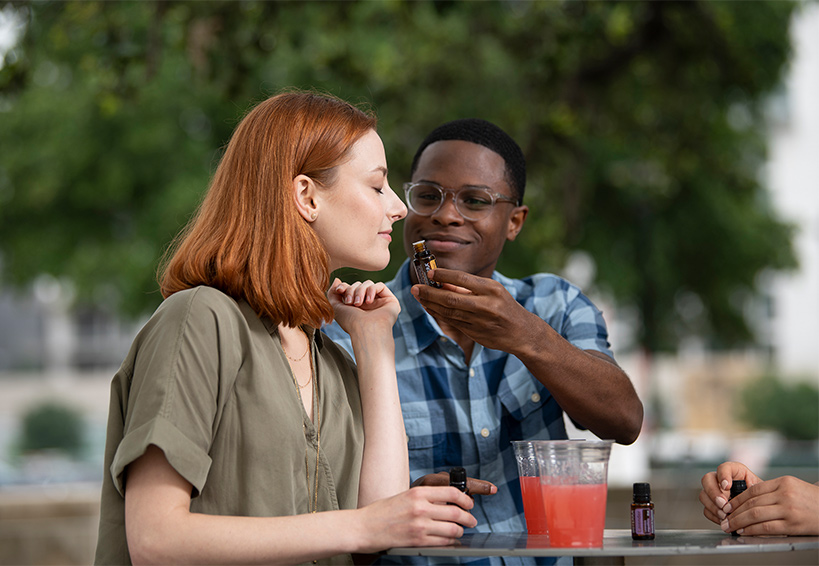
{"x":466,"y":414}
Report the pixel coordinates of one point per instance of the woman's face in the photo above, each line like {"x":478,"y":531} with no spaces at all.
{"x":356,"y":213}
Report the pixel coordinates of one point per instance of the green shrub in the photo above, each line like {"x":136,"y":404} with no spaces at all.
{"x":52,"y":426}
{"x":792,"y":409}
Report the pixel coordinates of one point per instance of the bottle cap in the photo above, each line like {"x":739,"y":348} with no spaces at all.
{"x":419,"y":245}
{"x":737,"y":487}
{"x":642,"y":489}
{"x":457,"y":474}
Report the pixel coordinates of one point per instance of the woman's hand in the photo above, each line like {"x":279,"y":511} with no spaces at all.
{"x":415,"y":517}
{"x":716,"y":488}
{"x":781,"y":506}
{"x":363,"y":306}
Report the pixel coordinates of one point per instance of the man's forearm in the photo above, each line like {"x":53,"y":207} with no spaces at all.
{"x":588,"y":385}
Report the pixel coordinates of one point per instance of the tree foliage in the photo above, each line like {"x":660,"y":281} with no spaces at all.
{"x":792,"y":409}
{"x":641,"y":122}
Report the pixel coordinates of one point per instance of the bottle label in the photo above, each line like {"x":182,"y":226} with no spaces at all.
{"x":421,"y":269}
{"x":642,"y":521}
{"x":421,"y":272}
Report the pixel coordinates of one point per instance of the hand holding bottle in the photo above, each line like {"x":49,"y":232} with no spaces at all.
{"x":782,"y":506}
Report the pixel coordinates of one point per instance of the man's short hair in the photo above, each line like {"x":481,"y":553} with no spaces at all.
{"x":488,"y":135}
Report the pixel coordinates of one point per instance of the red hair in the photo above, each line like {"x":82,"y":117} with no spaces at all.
{"x":247,"y":238}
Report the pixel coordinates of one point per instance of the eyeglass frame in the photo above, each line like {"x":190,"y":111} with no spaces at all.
{"x":495,"y":197}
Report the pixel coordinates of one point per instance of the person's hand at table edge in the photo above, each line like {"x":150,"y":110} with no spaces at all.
{"x":781,"y":506}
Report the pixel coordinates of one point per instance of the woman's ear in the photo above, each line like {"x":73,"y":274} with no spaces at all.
{"x":304,"y":192}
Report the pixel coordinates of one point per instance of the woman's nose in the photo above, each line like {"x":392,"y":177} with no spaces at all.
{"x":398,"y":209}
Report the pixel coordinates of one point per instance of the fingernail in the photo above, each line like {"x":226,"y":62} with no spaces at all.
{"x":727,"y":508}
{"x":724,"y":526}
{"x":726,"y":485}
{"x":740,"y":531}
{"x":720,"y":501}
{"x":358,"y":300}
{"x":347,"y":300}
{"x":721,"y":514}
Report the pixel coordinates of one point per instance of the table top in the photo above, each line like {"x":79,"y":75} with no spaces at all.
{"x":616,"y":542}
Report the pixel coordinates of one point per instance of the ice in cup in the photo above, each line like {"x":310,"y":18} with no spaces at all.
{"x":530,"y":489}
{"x":574,"y":485}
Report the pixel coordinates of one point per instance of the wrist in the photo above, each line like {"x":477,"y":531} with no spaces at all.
{"x":360,"y":537}
{"x":533,"y":339}
{"x":365,"y":327}
{"x":372,"y":338}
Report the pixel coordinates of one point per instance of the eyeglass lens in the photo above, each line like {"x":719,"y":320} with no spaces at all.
{"x":470,"y":203}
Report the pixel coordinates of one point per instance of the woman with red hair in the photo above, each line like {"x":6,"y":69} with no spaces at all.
{"x":236,"y":432}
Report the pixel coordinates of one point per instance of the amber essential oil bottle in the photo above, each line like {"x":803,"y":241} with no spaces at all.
{"x":423,"y":262}
{"x":642,"y":513}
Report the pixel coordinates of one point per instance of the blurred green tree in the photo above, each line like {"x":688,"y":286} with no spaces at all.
{"x":791,"y":409}
{"x":641,"y":121}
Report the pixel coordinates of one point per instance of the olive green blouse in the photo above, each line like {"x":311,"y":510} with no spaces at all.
{"x":206,"y":380}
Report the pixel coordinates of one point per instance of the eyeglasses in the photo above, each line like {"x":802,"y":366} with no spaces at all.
{"x":425,"y":199}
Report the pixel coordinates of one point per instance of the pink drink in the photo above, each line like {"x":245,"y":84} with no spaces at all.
{"x":575,"y":514}
{"x":533,"y":507}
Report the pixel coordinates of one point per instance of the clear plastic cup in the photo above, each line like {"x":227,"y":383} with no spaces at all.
{"x":574,"y":484}
{"x":529,"y":476}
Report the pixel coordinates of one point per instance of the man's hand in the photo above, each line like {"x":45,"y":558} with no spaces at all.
{"x":473,"y":486}
{"x":588,"y":385}
{"x":480,"y":308}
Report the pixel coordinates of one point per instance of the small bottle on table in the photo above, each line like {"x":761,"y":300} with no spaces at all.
{"x":642,"y":513}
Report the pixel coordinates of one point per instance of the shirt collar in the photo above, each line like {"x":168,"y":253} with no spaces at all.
{"x":311,"y":332}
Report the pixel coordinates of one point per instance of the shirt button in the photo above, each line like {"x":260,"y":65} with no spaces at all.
{"x":535,"y":397}
{"x":442,"y":339}
{"x":485,"y":432}
{"x":471,"y":372}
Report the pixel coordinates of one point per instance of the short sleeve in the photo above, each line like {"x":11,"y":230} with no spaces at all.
{"x":184,"y":361}
{"x":570,"y":313}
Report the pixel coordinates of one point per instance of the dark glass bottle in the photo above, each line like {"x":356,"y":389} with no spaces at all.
{"x":423,"y":262}
{"x":457,"y":478}
{"x":642,"y":513}
{"x":737,"y":487}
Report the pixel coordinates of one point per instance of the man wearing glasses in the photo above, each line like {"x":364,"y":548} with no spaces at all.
{"x":486,"y":359}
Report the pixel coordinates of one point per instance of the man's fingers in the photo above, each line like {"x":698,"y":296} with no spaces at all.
{"x":473,"y":485}
{"x":480,"y":487}
{"x":457,"y":278}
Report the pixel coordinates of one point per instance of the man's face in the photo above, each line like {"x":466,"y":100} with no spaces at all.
{"x":465,"y":245}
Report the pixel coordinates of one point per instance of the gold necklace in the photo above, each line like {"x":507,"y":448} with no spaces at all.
{"x":310,"y":378}
{"x":300,"y":358}
{"x":317,"y":412}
